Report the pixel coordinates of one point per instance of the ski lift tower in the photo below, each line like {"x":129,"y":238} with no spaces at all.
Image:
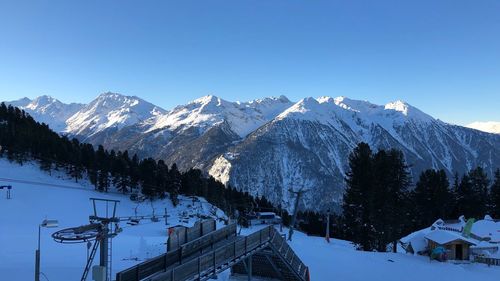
{"x":102,"y":228}
{"x":108,"y":221}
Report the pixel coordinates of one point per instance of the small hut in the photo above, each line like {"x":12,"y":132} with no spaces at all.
{"x":457,"y":246}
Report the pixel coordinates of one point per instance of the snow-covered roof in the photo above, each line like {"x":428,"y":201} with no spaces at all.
{"x":443,"y":237}
{"x":487,"y":228}
{"x":266,"y":213}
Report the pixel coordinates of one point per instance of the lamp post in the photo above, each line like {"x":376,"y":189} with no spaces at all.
{"x":47,"y":224}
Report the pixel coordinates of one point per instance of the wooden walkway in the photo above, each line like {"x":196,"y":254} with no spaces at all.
{"x":205,"y":257}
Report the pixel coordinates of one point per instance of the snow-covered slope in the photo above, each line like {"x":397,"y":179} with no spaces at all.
{"x":69,"y":203}
{"x":338,"y":260}
{"x":489,"y":127}
{"x":110,"y":111}
{"x":48,"y":110}
{"x":54,"y":197}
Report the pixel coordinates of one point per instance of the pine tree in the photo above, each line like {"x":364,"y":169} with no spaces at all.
{"x":356,"y":205}
{"x":495,"y":196}
{"x":433,"y":197}
{"x":174,"y":184}
{"x":479,"y":183}
{"x":389,"y":197}
{"x":465,"y":199}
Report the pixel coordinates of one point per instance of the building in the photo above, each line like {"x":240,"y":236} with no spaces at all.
{"x":456,"y":245}
{"x":264,"y":218}
{"x":462,"y":239}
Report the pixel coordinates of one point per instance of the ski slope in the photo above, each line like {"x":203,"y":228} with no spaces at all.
{"x":69,"y":202}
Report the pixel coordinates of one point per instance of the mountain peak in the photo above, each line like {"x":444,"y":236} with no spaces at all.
{"x":111,"y":110}
{"x":207,"y":99}
{"x":398,"y":105}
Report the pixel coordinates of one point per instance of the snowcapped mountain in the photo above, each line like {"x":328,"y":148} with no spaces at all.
{"x":48,"y":110}
{"x":489,"y":127}
{"x":272,"y":145}
{"x":209,"y":111}
{"x":109,"y":112}
{"x":307,"y":146}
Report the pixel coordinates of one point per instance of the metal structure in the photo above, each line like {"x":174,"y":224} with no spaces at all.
{"x":295,"y":211}
{"x":8,"y":188}
{"x":208,"y":255}
{"x":47,"y":224}
{"x":103,"y":227}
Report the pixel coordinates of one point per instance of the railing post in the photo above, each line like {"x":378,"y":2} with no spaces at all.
{"x":199,"y":268}
{"x":245,"y":244}
{"x":215,"y":267}
{"x":234,"y":249}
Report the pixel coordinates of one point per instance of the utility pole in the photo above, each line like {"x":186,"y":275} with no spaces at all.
{"x":295,"y":211}
{"x":327,"y":235}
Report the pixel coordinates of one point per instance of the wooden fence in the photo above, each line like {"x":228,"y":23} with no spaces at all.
{"x":488,"y":261}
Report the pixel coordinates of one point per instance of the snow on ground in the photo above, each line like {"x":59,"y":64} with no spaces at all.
{"x":338,"y":260}
{"x":20,"y":216}
{"x":31,"y":204}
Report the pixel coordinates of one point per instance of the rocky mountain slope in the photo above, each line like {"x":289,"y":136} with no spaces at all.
{"x":270,"y":146}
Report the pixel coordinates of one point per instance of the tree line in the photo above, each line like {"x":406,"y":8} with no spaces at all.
{"x":380,"y":206}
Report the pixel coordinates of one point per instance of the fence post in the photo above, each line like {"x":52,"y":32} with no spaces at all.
{"x":215,"y":267}
{"x":246,"y":244}
{"x":199,"y":268}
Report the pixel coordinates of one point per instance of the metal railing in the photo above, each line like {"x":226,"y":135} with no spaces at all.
{"x":190,"y":262}
{"x":171,"y":258}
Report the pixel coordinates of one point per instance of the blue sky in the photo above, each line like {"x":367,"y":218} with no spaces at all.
{"x":440,"y":56}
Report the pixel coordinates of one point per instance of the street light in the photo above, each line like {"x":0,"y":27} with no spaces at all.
{"x":47,"y":224}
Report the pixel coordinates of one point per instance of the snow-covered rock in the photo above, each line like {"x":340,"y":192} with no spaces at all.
{"x":48,"y":110}
{"x":489,"y":127}
{"x":110,"y":111}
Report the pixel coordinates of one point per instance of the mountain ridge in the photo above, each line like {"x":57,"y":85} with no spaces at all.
{"x":270,"y":145}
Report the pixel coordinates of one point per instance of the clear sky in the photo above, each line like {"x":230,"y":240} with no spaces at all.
{"x":442,"y":56}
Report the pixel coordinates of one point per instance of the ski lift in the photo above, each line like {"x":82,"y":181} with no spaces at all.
{"x":134,"y":222}
{"x":136,"y":197}
{"x":118,"y":229}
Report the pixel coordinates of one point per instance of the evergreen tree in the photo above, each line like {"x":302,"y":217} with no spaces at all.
{"x":389,"y":197}
{"x":432,"y":197}
{"x":174,"y":184}
{"x":465,"y":198}
{"x":479,"y":183}
{"x":495,"y":196}
{"x":356,"y":204}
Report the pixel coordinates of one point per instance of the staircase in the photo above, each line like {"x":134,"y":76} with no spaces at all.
{"x":277,"y":261}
